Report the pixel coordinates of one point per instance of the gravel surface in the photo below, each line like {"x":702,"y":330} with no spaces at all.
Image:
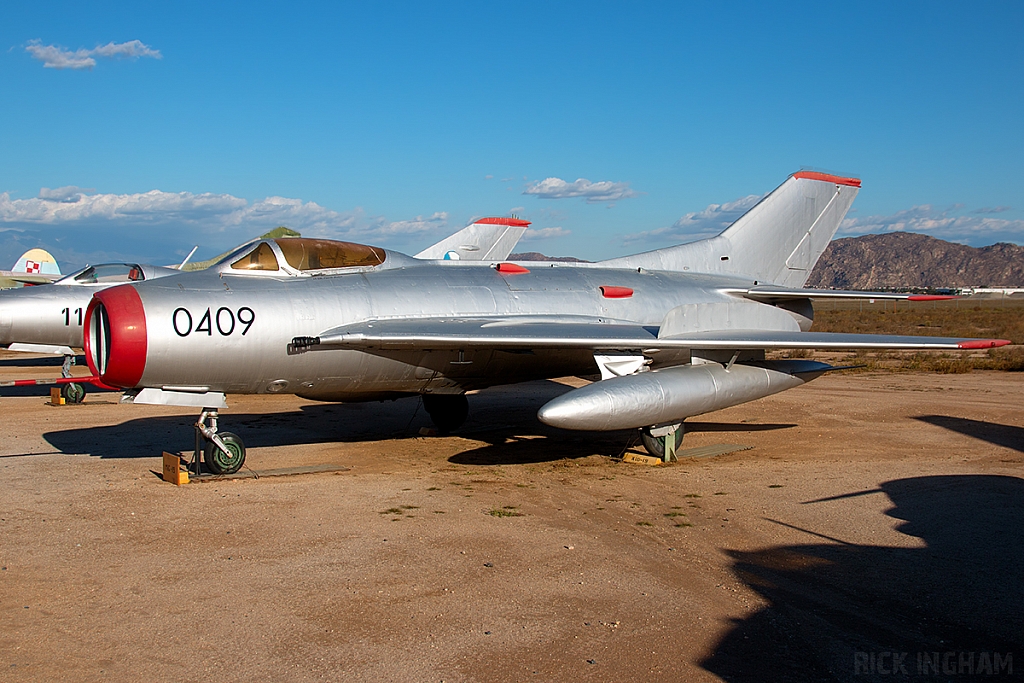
{"x":875,"y":514}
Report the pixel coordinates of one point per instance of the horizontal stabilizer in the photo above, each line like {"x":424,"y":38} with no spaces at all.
{"x":558,"y":332}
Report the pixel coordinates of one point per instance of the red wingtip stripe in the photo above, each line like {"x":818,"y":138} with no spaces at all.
{"x":983,"y":343}
{"x":502,"y":220}
{"x":931,"y":297}
{"x":511,"y":268}
{"x":828,"y":178}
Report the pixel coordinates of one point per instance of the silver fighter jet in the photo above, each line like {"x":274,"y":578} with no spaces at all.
{"x":675,"y":332}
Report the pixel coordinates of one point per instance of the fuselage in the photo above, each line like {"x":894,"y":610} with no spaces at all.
{"x":229,"y":332}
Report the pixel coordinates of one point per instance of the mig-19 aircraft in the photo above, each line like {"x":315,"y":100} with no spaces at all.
{"x":675,"y":332}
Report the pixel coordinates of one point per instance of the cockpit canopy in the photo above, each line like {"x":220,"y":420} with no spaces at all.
{"x":305,"y":254}
{"x":106,"y":273}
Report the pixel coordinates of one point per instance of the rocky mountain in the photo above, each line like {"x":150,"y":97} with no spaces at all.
{"x":907,"y":259}
{"x":537,"y":256}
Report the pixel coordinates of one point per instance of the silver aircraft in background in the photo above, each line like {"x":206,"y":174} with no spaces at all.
{"x":675,"y":332}
{"x":49,"y":319}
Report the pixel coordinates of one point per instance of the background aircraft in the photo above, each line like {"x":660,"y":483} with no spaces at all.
{"x":675,"y":332}
{"x":35,"y":267}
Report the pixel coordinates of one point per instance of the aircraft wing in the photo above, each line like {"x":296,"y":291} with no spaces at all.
{"x":559,"y":332}
{"x":768,"y":293}
{"x":26,"y":278}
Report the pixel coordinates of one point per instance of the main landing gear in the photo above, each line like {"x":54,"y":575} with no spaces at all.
{"x":448,"y":411}
{"x":223,"y":452}
{"x":663,"y":442}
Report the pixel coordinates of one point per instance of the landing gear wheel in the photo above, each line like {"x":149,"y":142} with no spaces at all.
{"x":655,"y":445}
{"x":220,"y":462}
{"x":73,"y":392}
{"x":448,"y":411}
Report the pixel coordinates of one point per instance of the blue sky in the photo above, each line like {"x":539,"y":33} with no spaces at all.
{"x":135,"y":132}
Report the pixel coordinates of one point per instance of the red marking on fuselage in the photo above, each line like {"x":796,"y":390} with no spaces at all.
{"x":611,"y":292}
{"x":511,"y":269}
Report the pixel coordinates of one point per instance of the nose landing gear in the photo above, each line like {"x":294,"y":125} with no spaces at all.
{"x":223,"y":452}
{"x":73,"y":392}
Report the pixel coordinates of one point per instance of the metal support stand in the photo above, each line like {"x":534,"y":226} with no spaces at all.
{"x":670,"y":446}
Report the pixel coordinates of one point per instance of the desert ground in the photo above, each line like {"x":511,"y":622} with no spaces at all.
{"x":874,"y":529}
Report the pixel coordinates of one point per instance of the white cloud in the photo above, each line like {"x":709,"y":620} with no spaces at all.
{"x":942,"y":223}
{"x":544,"y":234}
{"x":133,"y":49}
{"x":54,"y":57}
{"x":992,"y":209}
{"x":149,"y":207}
{"x":601,"y":191}
{"x":418,"y":225}
{"x":699,"y":224}
{"x":68,"y":193}
{"x":73,"y":207}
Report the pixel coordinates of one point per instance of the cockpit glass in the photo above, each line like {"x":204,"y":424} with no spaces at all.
{"x":107,"y":273}
{"x":260,"y":258}
{"x":311,"y":254}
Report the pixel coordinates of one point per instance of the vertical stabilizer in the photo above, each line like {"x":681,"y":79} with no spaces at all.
{"x":487,"y":239}
{"x":36,"y":262}
{"x":778,"y":241}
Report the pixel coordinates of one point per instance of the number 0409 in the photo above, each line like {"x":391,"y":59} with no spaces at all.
{"x":223,"y":320}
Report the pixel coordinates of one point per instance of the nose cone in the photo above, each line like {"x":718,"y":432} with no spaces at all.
{"x":116,"y":344}
{"x":587,"y":408}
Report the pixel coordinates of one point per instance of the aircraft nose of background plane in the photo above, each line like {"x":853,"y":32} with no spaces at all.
{"x":115,"y":336}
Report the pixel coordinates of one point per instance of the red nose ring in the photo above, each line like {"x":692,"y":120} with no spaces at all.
{"x":115,"y":336}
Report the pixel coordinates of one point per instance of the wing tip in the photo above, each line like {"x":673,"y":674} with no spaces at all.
{"x":983,"y":343}
{"x":828,"y":178}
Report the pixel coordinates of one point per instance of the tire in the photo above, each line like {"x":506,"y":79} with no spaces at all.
{"x":218,"y":462}
{"x":73,"y":392}
{"x":447,"y":411}
{"x":655,"y":445}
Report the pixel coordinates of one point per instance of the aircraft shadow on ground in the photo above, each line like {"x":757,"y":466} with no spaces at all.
{"x":538,"y":445}
{"x":837,"y":611}
{"x":148,"y":436}
{"x":1007,"y":436}
{"x":491,"y":412}
{"x":505,"y":418}
{"x":544,"y":444}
